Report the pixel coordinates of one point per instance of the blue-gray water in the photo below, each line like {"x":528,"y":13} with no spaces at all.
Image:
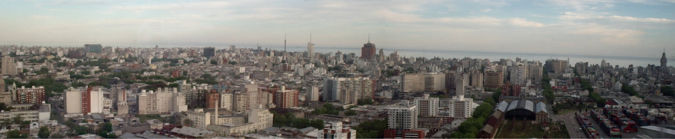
{"x":493,"y":56}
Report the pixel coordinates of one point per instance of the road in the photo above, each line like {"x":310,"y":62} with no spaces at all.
{"x":571,"y":124}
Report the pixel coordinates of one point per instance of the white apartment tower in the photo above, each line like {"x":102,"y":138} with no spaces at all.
{"x":402,"y":116}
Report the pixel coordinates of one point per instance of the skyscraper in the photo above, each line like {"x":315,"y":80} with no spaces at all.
{"x":209,"y":52}
{"x":310,"y":48}
{"x":8,"y":65}
{"x":664,"y":61}
{"x":368,"y":51}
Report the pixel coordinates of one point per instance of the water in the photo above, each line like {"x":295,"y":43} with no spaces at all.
{"x":495,"y":56}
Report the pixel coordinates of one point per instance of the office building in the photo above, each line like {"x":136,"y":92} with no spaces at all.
{"x":368,"y":51}
{"x":402,"y":116}
{"x":93,"y":48}
{"x":556,"y":66}
{"x":664,"y":61}
{"x":122,"y":105}
{"x":209,"y":52}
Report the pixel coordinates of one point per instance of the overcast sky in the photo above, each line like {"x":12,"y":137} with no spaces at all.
{"x":590,"y":27}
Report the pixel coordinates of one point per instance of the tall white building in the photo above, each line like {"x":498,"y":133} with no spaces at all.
{"x":313,"y":94}
{"x":348,"y":90}
{"x":460,"y":107}
{"x":402,"y":116}
{"x":337,"y":130}
{"x":226,"y":101}
{"x":8,"y":65}
{"x":161,"y":102}
{"x":427,"y":106}
{"x":518,"y":74}
{"x":73,"y":101}
{"x":310,"y":48}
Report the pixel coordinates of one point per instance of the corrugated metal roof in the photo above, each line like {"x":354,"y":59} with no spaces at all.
{"x":529,"y":105}
{"x":541,"y":106}
{"x":513,"y":105}
{"x":502,"y":106}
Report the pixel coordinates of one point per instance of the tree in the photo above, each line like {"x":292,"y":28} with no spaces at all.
{"x":105,"y":130}
{"x":350,"y":112}
{"x":625,"y":88}
{"x":667,"y":91}
{"x":187,"y":122}
{"x":4,"y":107}
{"x":44,"y":132}
{"x":16,"y":134}
{"x":371,"y":129}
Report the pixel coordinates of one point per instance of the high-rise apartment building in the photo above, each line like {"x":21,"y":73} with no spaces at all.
{"x":161,"y":102}
{"x":8,"y":65}
{"x":348,"y":90}
{"x":518,"y":74}
{"x":402,"y":116}
{"x":85,"y":101}
{"x":312,"y":94}
{"x":284,"y":98}
{"x":427,"y":106}
{"x":32,"y":95}
{"x":494,"y":79}
{"x":535,"y":71}
{"x":476,"y":78}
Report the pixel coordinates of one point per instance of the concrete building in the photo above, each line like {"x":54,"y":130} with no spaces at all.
{"x":402,"y":116}
{"x":8,"y":65}
{"x":28,"y":113}
{"x":310,"y":48}
{"x":209,"y":52}
{"x":476,"y":79}
{"x":427,"y":106}
{"x":200,"y":119}
{"x":93,"y":48}
{"x":284,"y":98}
{"x":494,"y":79}
{"x":461,"y":107}
{"x":122,"y":105}
{"x":161,"y":102}
{"x":226,"y":101}
{"x":258,"y":119}
{"x":368,"y":51}
{"x":535,"y":71}
{"x":312,"y":94}
{"x":337,"y":130}
{"x":518,"y":74}
{"x":32,"y":95}
{"x":73,"y":101}
{"x":348,"y":90}
{"x":85,"y":101}
{"x":431,"y":82}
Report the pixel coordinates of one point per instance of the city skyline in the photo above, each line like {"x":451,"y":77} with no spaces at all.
{"x":593,"y":27}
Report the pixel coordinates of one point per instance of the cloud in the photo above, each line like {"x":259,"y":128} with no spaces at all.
{"x":615,"y":18}
{"x":524,"y":23}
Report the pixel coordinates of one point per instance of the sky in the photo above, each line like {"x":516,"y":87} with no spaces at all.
{"x":640,"y":28}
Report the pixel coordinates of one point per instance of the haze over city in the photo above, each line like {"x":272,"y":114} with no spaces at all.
{"x":638,"y":28}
